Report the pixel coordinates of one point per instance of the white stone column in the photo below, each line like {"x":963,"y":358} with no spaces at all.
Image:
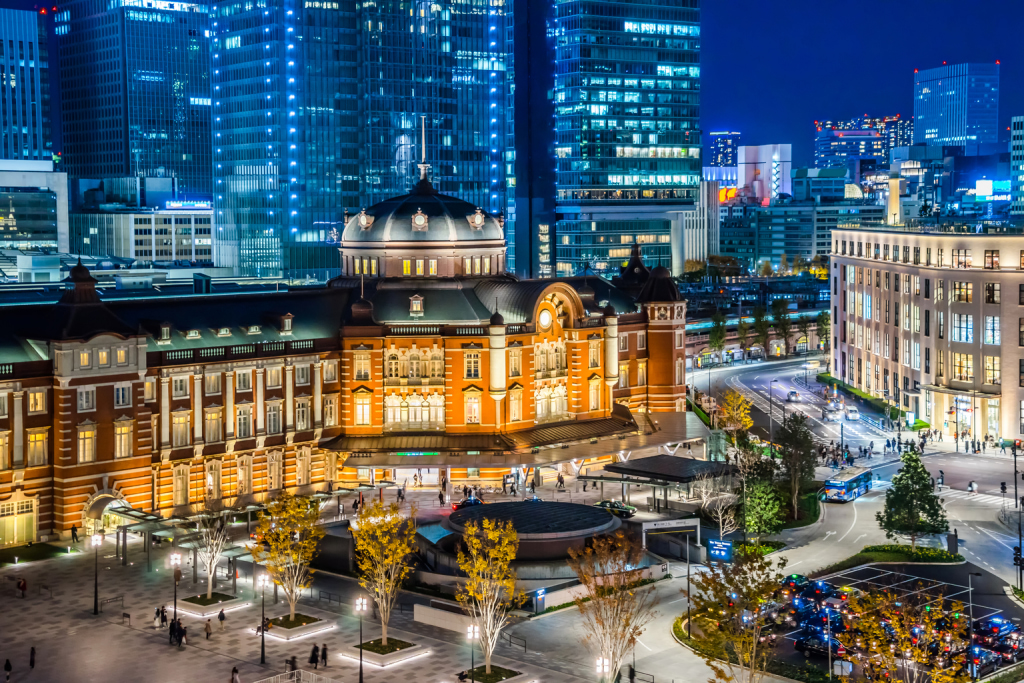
{"x":611,"y":350}
{"x":261,"y":411}
{"x":289,"y":398}
{"x":165,"y":412}
{"x":318,"y":407}
{"x":18,"y":406}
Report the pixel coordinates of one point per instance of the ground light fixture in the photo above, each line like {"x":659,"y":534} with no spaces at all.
{"x":472,"y":633}
{"x":262,"y":583}
{"x":96,"y":541}
{"x":360,"y":609}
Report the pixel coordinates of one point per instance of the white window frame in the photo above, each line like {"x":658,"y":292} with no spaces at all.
{"x":179,"y":386}
{"x":275,"y":418}
{"x":243,"y":380}
{"x":86,"y":443}
{"x":363,"y":408}
{"x":301,"y":375}
{"x":86,"y":399}
{"x":331,"y":371}
{"x":123,"y":439}
{"x":123,"y":395}
{"x":36,"y":403}
{"x":473,"y":408}
{"x":275,"y":377}
{"x":212,"y":384}
{"x":181,"y":429}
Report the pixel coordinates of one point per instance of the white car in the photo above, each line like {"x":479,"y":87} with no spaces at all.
{"x":793,"y":397}
{"x":852,"y":414}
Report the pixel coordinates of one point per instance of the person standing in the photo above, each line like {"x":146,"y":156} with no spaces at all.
{"x":163,"y":616}
{"x":323,"y":655}
{"x":74,"y":534}
{"x":7,"y":669}
{"x":207,"y":629}
{"x":314,"y":656}
{"x":235,"y":678}
{"x":221,"y":618}
{"x":32,"y":658}
{"x":440,"y":499}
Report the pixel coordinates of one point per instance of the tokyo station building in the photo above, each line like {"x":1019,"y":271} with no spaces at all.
{"x":423,"y":357}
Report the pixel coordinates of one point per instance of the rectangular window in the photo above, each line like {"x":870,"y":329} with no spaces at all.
{"x":963,"y":367}
{"x":963,"y":292}
{"x":940,"y":364}
{"x":623,"y":375}
{"x":84,"y":359}
{"x":331,"y":371}
{"x":123,"y":439}
{"x":330,"y":411}
{"x":274,"y":417}
{"x":243,"y":424}
{"x":594,"y":353}
{"x":961,"y":258}
{"x":179,"y":387}
{"x":362,"y":366}
{"x":103,"y":358}
{"x":515,"y":363}
{"x":940,"y":322}
{"x":212,"y":382}
{"x":641,"y":374}
{"x":472,"y":410}
{"x":274,"y":376}
{"x":275,"y":472}
{"x":87,"y":444}
{"x":472,"y":365}
{"x":992,"y":373}
{"x":149,"y":390}
{"x":179,"y":489}
{"x":927,"y":359}
{"x":37,"y":448}
{"x":419,"y":267}
{"x":212,"y":426}
{"x":406,"y":267}
{"x":963,"y":328}
{"x":433,"y":266}
{"x":86,"y":400}
{"x":122,"y":356}
{"x":624,"y":342}
{"x":301,"y":375}
{"x":927,"y":322}
{"x":992,"y":259}
{"x":917,"y":318}
{"x":992,"y":293}
{"x":992,"y":330}
{"x":362,"y":411}
{"x":641,"y":340}
{"x":515,"y":406}
{"x":180,"y":434}
{"x":122,"y":395}
{"x":243,"y":380}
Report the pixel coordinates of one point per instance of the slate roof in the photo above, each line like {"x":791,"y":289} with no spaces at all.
{"x":674,"y":468}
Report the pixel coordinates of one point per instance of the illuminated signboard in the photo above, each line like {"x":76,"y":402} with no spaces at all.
{"x":982,"y":188}
{"x":190,"y":204}
{"x":720,"y":550}
{"x":412,"y":453}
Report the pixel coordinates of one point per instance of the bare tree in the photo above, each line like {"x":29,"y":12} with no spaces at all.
{"x":211,"y":539}
{"x":614,"y":607}
{"x":722,"y":510}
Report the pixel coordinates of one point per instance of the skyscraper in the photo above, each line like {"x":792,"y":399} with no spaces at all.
{"x":831,"y":145}
{"x":24,"y":87}
{"x":1017,"y":167}
{"x":319,"y":108}
{"x":135,"y":90}
{"x":627,"y":104}
{"x":957,"y":104}
{"x":723,"y":149}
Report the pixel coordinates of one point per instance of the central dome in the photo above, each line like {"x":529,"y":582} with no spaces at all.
{"x":422,"y":216}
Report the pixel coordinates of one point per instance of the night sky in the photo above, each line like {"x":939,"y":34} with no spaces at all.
{"x":770,"y":68}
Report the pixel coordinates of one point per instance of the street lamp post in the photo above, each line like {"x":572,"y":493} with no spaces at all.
{"x":176,"y":574}
{"x":970,"y":625}
{"x":96,"y":540}
{"x":472,"y":633}
{"x":771,"y":423}
{"x":261,"y":583}
{"x":360,"y":608}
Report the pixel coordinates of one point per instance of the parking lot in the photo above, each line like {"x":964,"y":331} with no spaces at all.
{"x":937,"y":586}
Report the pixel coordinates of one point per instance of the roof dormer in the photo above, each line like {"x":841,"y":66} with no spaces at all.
{"x":286,"y":323}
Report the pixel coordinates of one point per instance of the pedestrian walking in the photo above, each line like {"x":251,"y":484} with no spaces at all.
{"x":183,"y":637}
{"x":314,"y":656}
{"x":584,"y":486}
{"x":440,"y":499}
{"x":7,"y":669}
{"x":22,"y":586}
{"x":293,"y":663}
{"x":156,"y":619}
{"x":32,"y":658}
{"x":221,"y":618}
{"x":163,"y":616}
{"x":323,"y":655}
{"x":235,"y":678}
{"x":207,"y":629}
{"x":172,"y":631}
{"x":74,"y":534}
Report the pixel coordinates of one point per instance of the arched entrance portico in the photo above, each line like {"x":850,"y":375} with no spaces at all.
{"x":101,"y":512}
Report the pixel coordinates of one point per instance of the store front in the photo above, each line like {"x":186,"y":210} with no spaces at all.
{"x":801,"y":345}
{"x":18,"y":518}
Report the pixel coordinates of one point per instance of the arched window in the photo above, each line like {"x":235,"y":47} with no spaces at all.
{"x":543,"y":404}
{"x":559,"y":404}
{"x":436,"y":366}
{"x":417,"y":411}
{"x":436,"y":402}
{"x":392,"y":412}
{"x":414,"y":367}
{"x":393,"y":365}
{"x":560,"y":357}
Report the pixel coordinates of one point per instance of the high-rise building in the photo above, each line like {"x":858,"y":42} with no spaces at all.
{"x":135,"y":90}
{"x":33,"y":205}
{"x":765,"y":170}
{"x":833,"y":146}
{"x":320,"y":108}
{"x":627,"y":105}
{"x":957,"y":104}
{"x":1017,"y":167}
{"x":24,"y":87}
{"x":722,"y":150}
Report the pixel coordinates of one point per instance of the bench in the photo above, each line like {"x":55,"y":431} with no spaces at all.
{"x":119,"y":598}
{"x":126,"y":615}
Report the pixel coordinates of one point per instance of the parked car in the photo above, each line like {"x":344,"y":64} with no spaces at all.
{"x":793,"y":397}
{"x":815,"y":644}
{"x":817,"y":621}
{"x":852,"y":414}
{"x":793,"y":584}
{"x":819,"y":591}
{"x":467,"y":502}
{"x":1010,"y":648}
{"x":991,"y":629}
{"x":982,"y":662}
{"x":616,"y":508}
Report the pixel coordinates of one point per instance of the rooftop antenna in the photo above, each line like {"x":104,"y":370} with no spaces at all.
{"x":423,"y":145}
{"x":361,"y":293}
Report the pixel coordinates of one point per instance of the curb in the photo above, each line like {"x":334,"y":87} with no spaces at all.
{"x":765,"y":674}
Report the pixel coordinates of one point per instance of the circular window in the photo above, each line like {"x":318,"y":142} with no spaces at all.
{"x":545,"y":318}
{"x":419,"y":220}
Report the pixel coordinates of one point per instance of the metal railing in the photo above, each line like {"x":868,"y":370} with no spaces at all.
{"x":512,"y":641}
{"x":298,"y":676}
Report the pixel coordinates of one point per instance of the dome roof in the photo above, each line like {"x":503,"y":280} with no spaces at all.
{"x":424,"y":215}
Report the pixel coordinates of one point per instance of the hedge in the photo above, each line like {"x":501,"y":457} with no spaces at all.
{"x":700,"y":412}
{"x":889,"y":553}
{"x":875,"y":402}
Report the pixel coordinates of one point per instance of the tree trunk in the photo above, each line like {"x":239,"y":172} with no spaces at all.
{"x":795,"y":494}
{"x":291,"y":608}
{"x":209,"y":584}
{"x":383,"y":633}
{"x":487,"y":661}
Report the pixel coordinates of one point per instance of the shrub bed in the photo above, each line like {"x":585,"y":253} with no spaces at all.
{"x":890,"y":553}
{"x":204,"y":602}
{"x":394,"y":645}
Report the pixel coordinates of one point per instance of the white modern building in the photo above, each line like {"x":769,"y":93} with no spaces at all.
{"x":1017,"y":167}
{"x":765,"y":169}
{"x":33,"y":205}
{"x":182,"y":232}
{"x":926,"y":319}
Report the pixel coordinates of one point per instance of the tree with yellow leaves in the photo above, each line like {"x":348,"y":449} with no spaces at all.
{"x":734,"y":411}
{"x":489,"y":593}
{"x":384,"y":541}
{"x":614,"y":608}
{"x":288,"y":537}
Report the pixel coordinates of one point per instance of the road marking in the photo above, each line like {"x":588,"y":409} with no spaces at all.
{"x":858,"y":538}
{"x":840,"y":540}
{"x":642,"y":643}
{"x":827,"y":534}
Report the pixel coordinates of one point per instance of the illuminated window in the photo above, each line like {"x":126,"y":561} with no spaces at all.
{"x":406,"y":267}
{"x":87,"y":443}
{"x":123,"y":439}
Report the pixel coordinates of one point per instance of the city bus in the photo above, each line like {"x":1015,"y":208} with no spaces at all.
{"x":848,"y":484}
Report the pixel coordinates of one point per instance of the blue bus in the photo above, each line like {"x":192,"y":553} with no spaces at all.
{"x":848,"y":484}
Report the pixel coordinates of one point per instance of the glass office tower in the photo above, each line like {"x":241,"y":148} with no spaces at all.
{"x":723,"y":146}
{"x":957,"y":104}
{"x":135,"y":90}
{"x":319,"y":108}
{"x":24,"y":87}
{"x":627,"y":100}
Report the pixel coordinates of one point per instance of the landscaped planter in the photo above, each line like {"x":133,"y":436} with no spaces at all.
{"x":381,"y":660}
{"x":304,"y":626}
{"x":199,"y":606}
